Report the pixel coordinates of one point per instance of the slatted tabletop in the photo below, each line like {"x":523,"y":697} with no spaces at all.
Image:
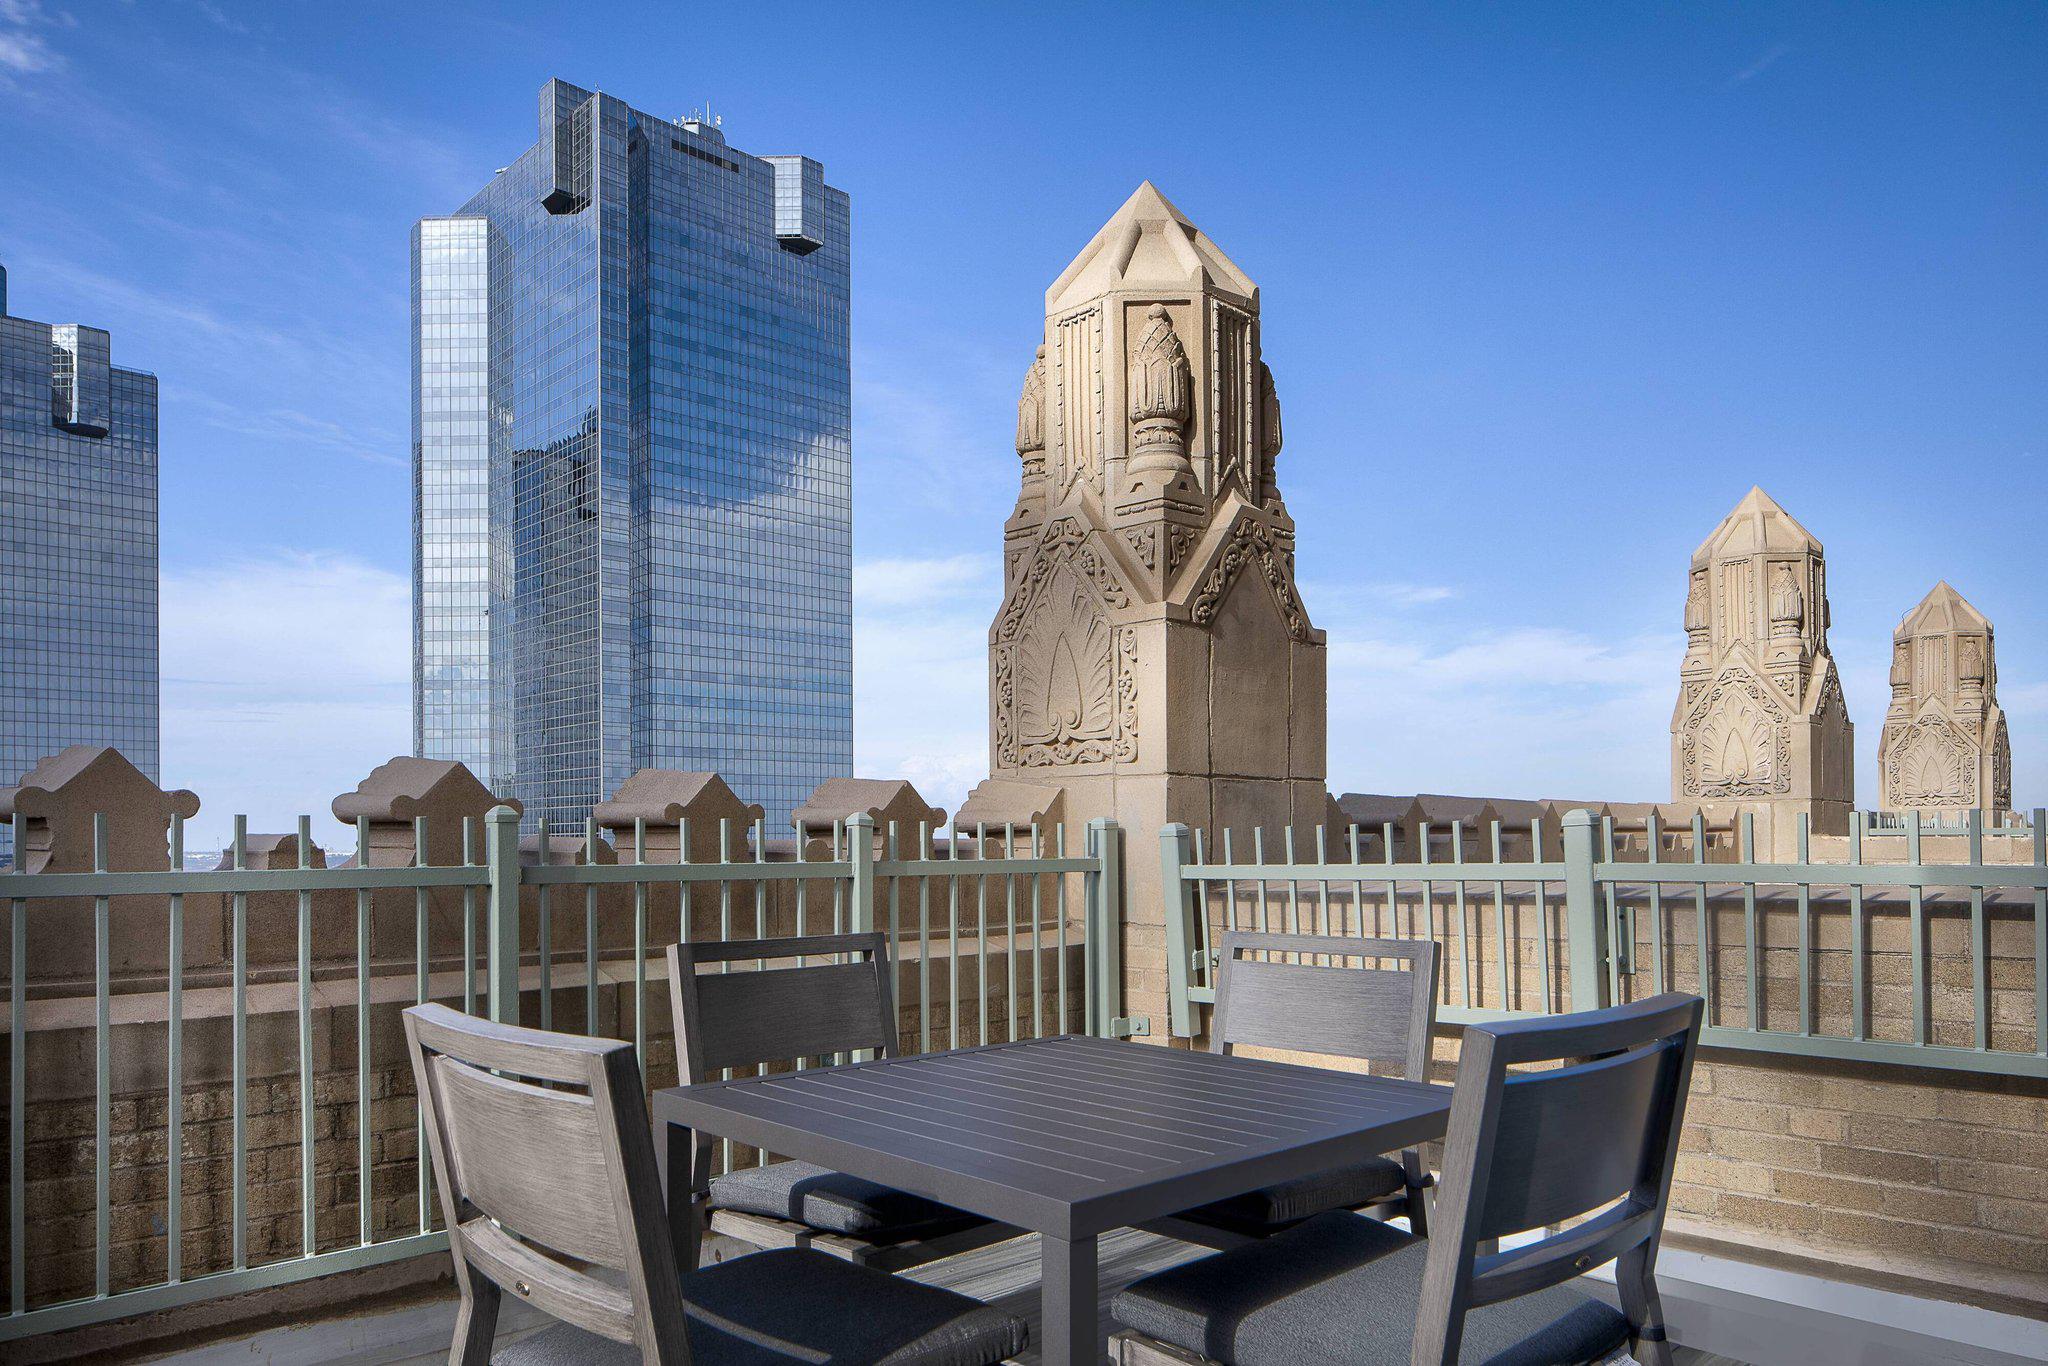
{"x":1069,"y":1137}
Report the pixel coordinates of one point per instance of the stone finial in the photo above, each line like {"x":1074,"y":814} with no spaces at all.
{"x":441,"y":792}
{"x":1159,"y":400}
{"x":407,"y":787}
{"x":1031,"y":415}
{"x":881,"y":799}
{"x":1945,"y":745}
{"x":58,"y":798}
{"x":1760,"y":721}
{"x":1269,"y":434}
{"x":999,"y":803}
{"x":272,"y":851}
{"x":669,"y":800}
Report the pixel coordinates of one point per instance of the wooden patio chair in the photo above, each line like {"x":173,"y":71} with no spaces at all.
{"x":1376,"y":1014}
{"x":551,"y":1193}
{"x":768,"y":1015}
{"x":1524,"y":1152}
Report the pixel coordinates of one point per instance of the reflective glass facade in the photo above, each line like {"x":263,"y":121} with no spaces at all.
{"x":632,"y":466}
{"x":78,"y":549}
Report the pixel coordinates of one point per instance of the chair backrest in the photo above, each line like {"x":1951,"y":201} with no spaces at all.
{"x":751,"y":1016}
{"x":535,"y":1179}
{"x":1533,"y":1149}
{"x":1299,"y":992}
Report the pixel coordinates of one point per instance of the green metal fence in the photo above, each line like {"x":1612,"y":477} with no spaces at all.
{"x":1786,"y":954}
{"x":944,"y":898}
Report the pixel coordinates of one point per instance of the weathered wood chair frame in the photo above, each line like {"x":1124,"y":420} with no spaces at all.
{"x":568,"y":1170}
{"x":1626,"y":1067}
{"x":1628,"y":1070}
{"x":1379,"y":1015}
{"x":773,"y":1015}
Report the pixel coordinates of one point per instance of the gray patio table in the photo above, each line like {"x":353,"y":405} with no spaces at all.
{"x":1069,"y":1137}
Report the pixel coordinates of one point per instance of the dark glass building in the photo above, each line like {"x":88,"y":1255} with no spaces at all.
{"x":632,"y":466}
{"x":78,"y":549}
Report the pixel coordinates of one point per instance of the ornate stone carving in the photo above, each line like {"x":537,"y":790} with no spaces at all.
{"x":1031,"y":417}
{"x":1064,"y":540}
{"x":1738,"y":745}
{"x":1159,"y":399}
{"x":1760,"y":719}
{"x":1065,"y":691}
{"x":1934,"y":764}
{"x":1696,"y":620}
{"x":1830,"y":697}
{"x":1944,"y":735}
{"x":1970,"y":660}
{"x":1078,"y":403}
{"x":1269,"y":430}
{"x":2001,"y":768}
{"x":1788,"y":604}
{"x":1234,"y":400}
{"x":1251,"y":543}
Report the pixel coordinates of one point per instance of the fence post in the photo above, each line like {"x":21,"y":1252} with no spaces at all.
{"x":1585,"y":928}
{"x":1173,"y":897}
{"x":1102,"y":940}
{"x":501,"y":863}
{"x":860,"y":848}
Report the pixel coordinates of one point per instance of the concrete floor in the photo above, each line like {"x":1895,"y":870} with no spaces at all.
{"x":418,"y":1334}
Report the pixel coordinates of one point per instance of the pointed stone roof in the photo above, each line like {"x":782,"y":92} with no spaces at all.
{"x":883,"y":799}
{"x":1149,"y":244}
{"x":1758,"y":523}
{"x":1942,"y":610}
{"x":408,"y":787}
{"x":663,"y":796}
{"x":100,"y":769}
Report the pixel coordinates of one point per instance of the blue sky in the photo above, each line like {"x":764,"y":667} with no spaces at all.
{"x":1546,"y":288}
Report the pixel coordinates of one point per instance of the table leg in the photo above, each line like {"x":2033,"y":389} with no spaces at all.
{"x":675,"y":1161}
{"x":1069,"y":1330}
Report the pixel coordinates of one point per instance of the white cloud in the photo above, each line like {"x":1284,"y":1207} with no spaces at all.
{"x":25,"y":53}
{"x":1530,"y":712}
{"x":892,"y":583}
{"x":286,"y":426}
{"x":1414,"y":594}
{"x":1758,"y":67}
{"x":920,"y":671}
{"x":286,"y":679}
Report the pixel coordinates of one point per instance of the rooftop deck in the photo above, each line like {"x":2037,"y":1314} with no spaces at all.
{"x":418,"y":1334}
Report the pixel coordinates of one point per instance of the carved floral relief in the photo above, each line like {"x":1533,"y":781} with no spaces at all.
{"x":1252,"y":544}
{"x":1934,"y":764}
{"x":1737,"y":743}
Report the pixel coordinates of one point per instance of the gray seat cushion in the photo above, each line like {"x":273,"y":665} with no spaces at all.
{"x":834,"y":1202}
{"x":1289,"y":1202}
{"x":794,"y":1305}
{"x":1342,"y":1288}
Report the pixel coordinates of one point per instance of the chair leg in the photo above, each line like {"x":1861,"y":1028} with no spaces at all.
{"x":1418,"y":1211}
{"x":476,"y":1322}
{"x":1637,"y":1286}
{"x":1417,"y":1177}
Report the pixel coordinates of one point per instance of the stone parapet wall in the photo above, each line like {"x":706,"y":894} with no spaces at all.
{"x":59,"y":1121}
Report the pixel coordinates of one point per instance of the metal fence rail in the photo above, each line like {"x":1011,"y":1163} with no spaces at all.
{"x":1586,"y":928}
{"x":487,"y":930}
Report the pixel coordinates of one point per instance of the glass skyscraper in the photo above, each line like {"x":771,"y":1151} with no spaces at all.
{"x":78,"y":549}
{"x":632,"y":525}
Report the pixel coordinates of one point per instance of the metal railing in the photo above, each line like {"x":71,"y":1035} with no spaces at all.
{"x":354,"y":944}
{"x":1783,"y":953}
